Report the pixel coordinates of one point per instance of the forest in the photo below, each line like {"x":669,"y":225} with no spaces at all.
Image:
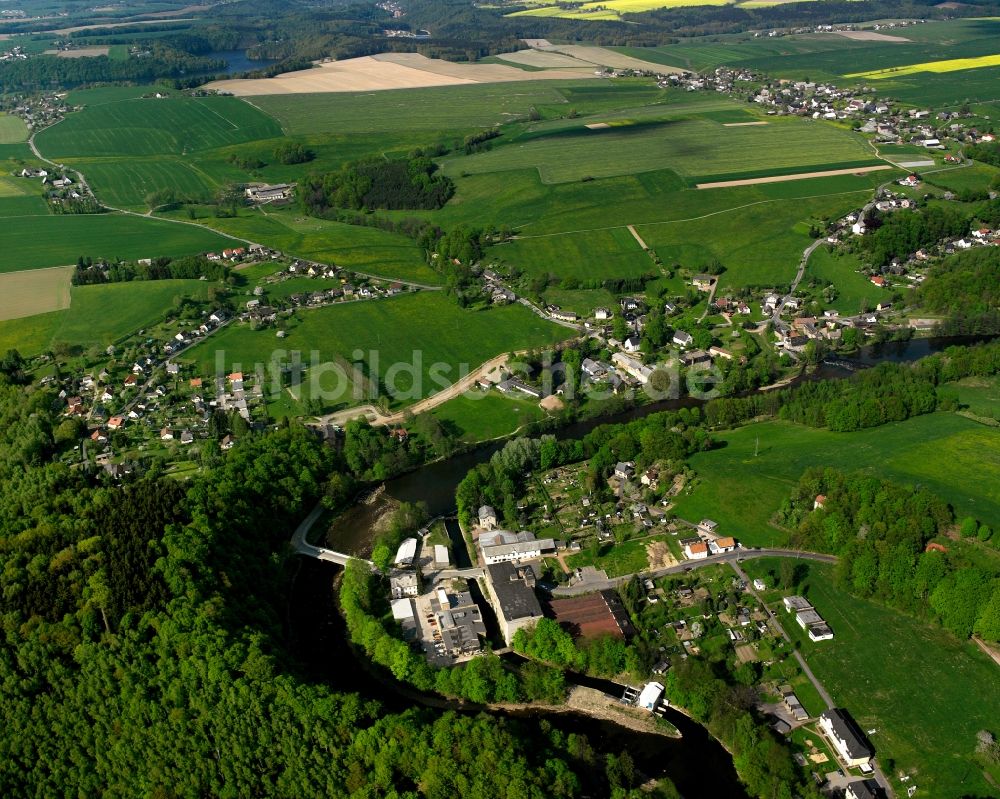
{"x":377,"y":184}
{"x":46,"y":72}
{"x":881,"y":530}
{"x":900,"y":234}
{"x":966,"y":289}
{"x":144,"y":649}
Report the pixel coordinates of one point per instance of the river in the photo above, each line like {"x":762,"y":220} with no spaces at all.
{"x":435,"y":483}
{"x":697,"y":764}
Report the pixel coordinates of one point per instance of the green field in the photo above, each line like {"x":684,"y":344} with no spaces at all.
{"x":855,"y":292}
{"x":98,"y":315}
{"x":432,"y":110}
{"x":482,"y":416}
{"x":60,"y":240}
{"x":692,"y":147}
{"x":980,"y":394}
{"x":364,"y":249}
{"x":417,"y":330}
{"x":954,"y":457}
{"x":126,"y":183}
{"x":12,"y":129}
{"x":143,"y":127}
{"x":925,"y":692}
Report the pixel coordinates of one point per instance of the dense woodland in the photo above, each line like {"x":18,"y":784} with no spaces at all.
{"x":880,"y":530}
{"x":144,"y":651}
{"x":966,"y":289}
{"x":377,"y":184}
{"x":899,"y":235}
{"x":46,"y":72}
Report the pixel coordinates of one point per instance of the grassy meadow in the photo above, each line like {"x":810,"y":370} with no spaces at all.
{"x":369,"y":250}
{"x":922,"y":690}
{"x":953,"y":456}
{"x":695,"y":148}
{"x":12,"y":129}
{"x":59,"y":240}
{"x":97,"y":315}
{"x":855,"y":292}
{"x":483,"y":416}
{"x":417,"y":330}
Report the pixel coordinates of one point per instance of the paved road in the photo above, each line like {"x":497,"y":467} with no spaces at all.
{"x":588,"y":586}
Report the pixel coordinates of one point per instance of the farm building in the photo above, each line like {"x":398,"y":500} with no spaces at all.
{"x":796,"y":603}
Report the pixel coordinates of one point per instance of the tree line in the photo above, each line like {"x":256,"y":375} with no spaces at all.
{"x":881,"y":531}
{"x":193,"y":267}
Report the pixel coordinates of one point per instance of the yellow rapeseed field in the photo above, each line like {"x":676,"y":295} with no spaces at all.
{"x":950,"y":65}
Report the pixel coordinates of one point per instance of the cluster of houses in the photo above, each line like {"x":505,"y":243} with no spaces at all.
{"x":14,"y":54}
{"x":808,"y":619}
{"x":707,"y":542}
{"x":37,"y":111}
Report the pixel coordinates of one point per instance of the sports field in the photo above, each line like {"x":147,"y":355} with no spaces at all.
{"x":60,"y":240}
{"x":954,"y":457}
{"x":12,"y":129}
{"x":919,"y":687}
{"x":413,"y":331}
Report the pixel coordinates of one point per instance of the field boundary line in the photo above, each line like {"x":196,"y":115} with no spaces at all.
{"x":637,"y":237}
{"x":694,"y":218}
{"x":829,"y":173}
{"x":224,"y":119}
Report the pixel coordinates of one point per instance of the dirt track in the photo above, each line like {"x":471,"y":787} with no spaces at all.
{"x":455,"y":389}
{"x":724,"y":184}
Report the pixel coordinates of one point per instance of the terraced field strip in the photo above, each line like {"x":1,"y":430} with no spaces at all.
{"x":725,"y":184}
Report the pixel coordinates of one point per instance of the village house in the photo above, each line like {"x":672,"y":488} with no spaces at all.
{"x":403,"y":584}
{"x":842,"y":731}
{"x":487,"y":517}
{"x":625,"y":470}
{"x":683,"y":339}
{"x":695,"y":549}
